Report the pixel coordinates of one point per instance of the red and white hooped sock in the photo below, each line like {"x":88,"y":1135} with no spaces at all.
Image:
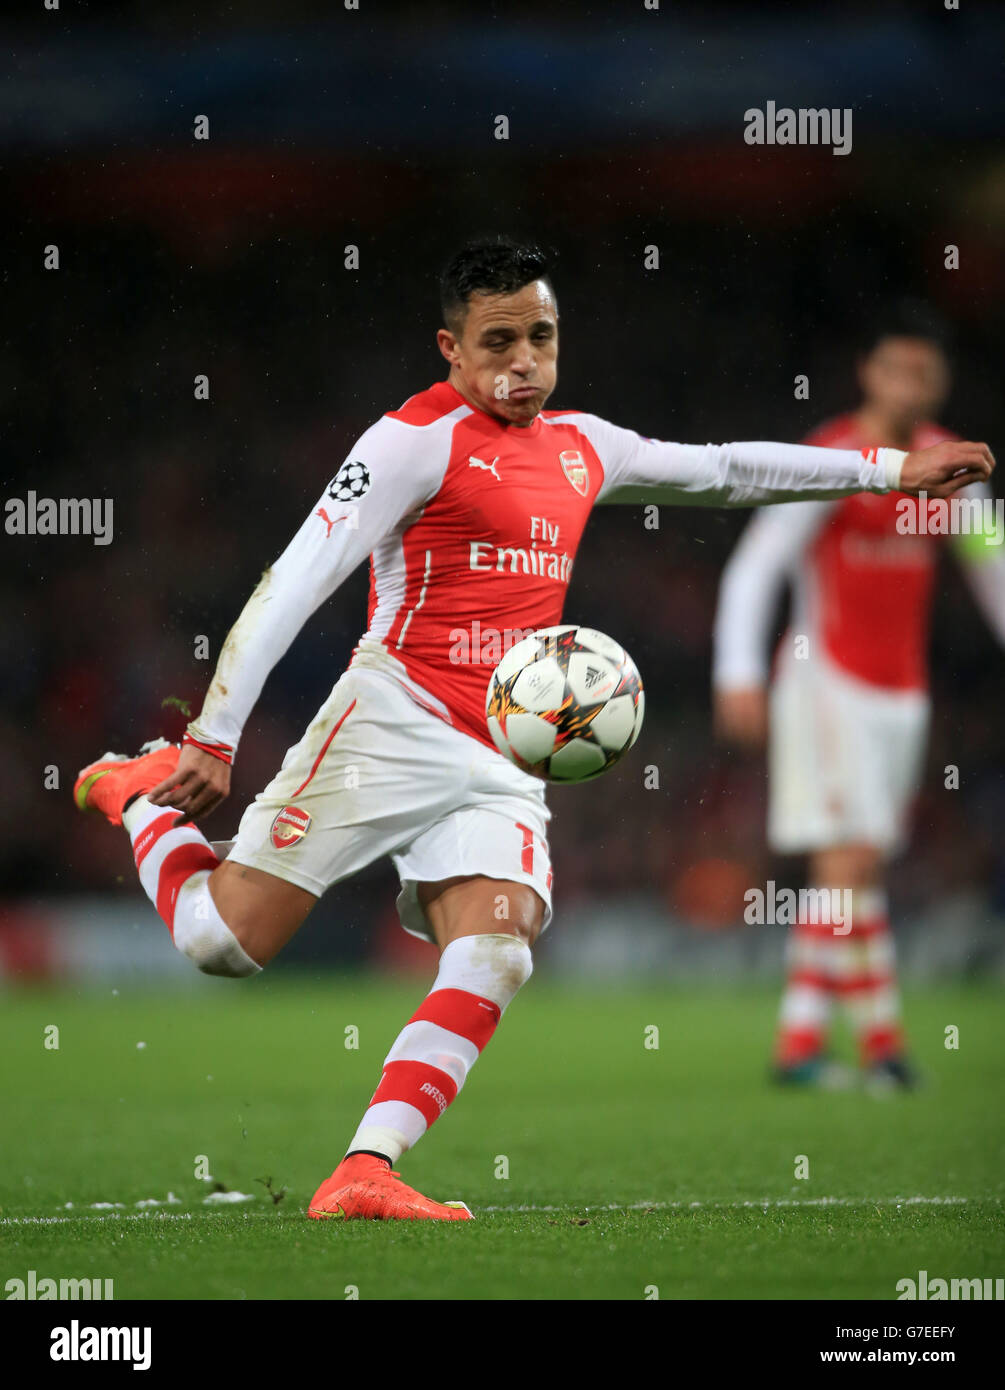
{"x":174,"y":862}
{"x":432,"y":1055}
{"x":864,"y":979}
{"x":807,"y":1000}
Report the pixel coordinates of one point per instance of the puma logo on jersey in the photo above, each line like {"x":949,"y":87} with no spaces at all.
{"x":489,"y":467}
{"x":327,"y":520}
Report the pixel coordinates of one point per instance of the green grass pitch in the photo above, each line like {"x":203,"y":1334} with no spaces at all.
{"x":630,"y":1169}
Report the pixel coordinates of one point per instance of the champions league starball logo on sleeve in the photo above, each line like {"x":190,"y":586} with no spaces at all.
{"x":350,"y":483}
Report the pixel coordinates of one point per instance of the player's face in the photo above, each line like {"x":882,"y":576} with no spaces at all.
{"x":505,"y":360}
{"x":905,"y":379}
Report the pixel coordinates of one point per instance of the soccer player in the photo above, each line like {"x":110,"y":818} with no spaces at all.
{"x":848,"y":709}
{"x":470,"y":501}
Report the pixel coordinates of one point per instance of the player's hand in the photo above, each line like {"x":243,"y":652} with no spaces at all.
{"x":741,"y":716}
{"x":946,"y":468}
{"x":197,"y":786}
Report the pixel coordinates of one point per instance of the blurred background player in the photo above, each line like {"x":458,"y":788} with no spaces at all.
{"x":847,"y":716}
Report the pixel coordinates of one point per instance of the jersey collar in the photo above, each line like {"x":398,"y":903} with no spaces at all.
{"x":523,"y":431}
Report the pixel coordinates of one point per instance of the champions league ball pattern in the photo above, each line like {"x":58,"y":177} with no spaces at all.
{"x":565,"y":704}
{"x":350,"y":482}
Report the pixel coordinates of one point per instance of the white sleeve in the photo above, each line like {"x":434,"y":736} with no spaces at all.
{"x":637,"y":469}
{"x":764,"y":557}
{"x":981,"y":554}
{"x":385,"y":481}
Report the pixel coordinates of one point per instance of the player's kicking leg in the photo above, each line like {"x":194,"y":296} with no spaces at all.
{"x":483,"y":963}
{"x":418,"y":790}
{"x":231,"y":919}
{"x":227,"y":918}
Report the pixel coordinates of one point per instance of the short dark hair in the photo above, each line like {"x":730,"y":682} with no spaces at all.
{"x":498,"y":266}
{"x":907,"y":318}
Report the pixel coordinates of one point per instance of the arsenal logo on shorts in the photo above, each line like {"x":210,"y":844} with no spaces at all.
{"x":289,"y":826}
{"x":575,"y":469}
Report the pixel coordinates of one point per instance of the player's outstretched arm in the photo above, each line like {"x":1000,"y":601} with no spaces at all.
{"x":385,"y":477}
{"x":269,"y":621}
{"x":637,"y":469}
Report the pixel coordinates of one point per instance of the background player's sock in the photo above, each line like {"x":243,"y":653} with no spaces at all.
{"x":174,"y":863}
{"x":864,"y":973}
{"x":430,"y":1060}
{"x":807,"y":1000}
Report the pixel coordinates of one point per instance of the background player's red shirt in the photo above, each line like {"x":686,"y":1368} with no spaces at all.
{"x":871,"y":584}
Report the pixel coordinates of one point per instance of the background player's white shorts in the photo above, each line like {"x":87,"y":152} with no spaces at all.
{"x":377,"y":774}
{"x":845,"y":759}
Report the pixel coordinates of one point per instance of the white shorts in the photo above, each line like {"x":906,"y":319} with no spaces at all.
{"x":845,"y":759}
{"x":377,"y":774}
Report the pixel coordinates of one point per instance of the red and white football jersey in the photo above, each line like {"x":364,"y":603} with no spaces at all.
{"x":472,"y":527}
{"x":862,"y":571}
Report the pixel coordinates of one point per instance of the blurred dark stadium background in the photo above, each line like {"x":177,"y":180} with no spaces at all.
{"x":226,"y":257}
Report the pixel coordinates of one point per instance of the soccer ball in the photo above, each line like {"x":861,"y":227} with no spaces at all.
{"x":565,"y":703}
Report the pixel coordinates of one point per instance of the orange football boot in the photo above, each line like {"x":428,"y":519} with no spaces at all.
{"x":363,"y":1188}
{"x":107,"y":784}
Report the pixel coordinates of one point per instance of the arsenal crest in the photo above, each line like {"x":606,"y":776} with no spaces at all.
{"x":289,"y":826}
{"x":575,"y":469}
